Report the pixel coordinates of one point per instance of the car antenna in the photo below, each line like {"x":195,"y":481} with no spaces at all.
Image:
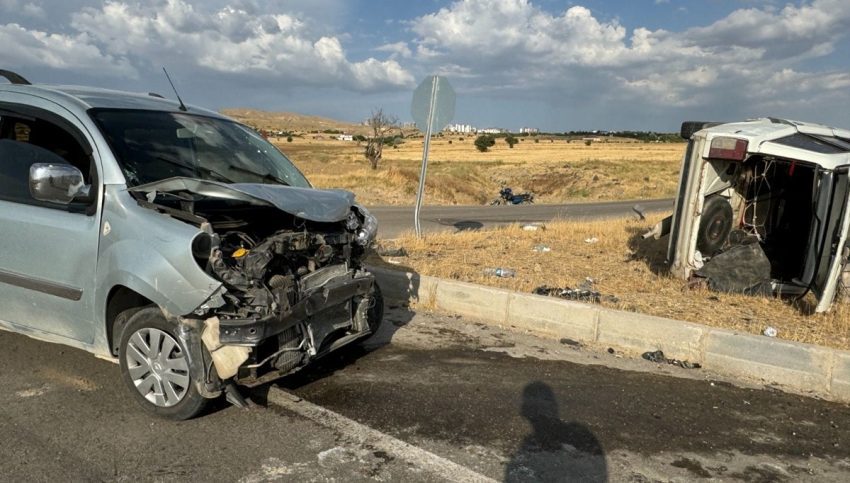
{"x":182,"y":106}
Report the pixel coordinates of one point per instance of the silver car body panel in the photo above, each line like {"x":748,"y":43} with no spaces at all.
{"x":67,"y":256}
{"x":323,"y":206}
{"x":31,"y":236}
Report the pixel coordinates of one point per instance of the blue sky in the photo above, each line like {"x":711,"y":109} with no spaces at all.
{"x":556,"y":65}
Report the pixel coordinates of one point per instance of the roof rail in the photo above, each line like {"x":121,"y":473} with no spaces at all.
{"x":13,"y":77}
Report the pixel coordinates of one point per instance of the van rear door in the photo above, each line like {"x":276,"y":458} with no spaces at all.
{"x":680,"y":251}
{"x":828,"y":274}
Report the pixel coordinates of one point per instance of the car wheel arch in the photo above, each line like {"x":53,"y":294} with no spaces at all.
{"x":121,"y":303}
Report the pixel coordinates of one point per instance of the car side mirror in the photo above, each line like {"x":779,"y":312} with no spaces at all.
{"x":57,"y":183}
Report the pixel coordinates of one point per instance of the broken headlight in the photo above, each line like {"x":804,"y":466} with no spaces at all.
{"x":368,"y":229}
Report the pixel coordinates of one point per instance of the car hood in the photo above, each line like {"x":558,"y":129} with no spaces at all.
{"x":323,"y":206}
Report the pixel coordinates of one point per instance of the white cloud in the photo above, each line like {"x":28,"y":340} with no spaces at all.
{"x":502,"y":41}
{"x":28,"y":9}
{"x":240,"y":41}
{"x":35,"y":48}
{"x":397,"y":49}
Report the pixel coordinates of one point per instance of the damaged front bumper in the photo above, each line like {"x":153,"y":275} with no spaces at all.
{"x":337,"y":306}
{"x":337,"y":291}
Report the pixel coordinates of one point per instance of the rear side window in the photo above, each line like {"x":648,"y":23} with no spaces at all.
{"x":25,"y":140}
{"x":818,"y":144}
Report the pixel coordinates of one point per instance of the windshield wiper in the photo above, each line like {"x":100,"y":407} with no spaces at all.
{"x":265,"y":176}
{"x":194,"y":169}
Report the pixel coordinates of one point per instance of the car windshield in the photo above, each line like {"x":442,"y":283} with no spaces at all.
{"x":152,"y":146}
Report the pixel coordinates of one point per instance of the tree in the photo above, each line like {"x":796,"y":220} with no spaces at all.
{"x":484,"y":142}
{"x":380,"y":125}
{"x":511,"y":140}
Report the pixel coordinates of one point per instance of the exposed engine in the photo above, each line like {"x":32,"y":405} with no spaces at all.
{"x":292,"y":289}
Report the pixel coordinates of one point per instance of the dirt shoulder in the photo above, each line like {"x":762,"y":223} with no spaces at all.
{"x":555,"y":170}
{"x":627,"y":271}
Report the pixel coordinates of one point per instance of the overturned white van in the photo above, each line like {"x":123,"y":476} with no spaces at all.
{"x":762,"y":207}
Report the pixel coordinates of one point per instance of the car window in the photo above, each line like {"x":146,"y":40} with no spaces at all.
{"x":153,"y":146}
{"x":818,"y":144}
{"x":26,"y":140}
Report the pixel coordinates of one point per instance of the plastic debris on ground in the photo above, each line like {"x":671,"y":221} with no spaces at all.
{"x":770,"y":332}
{"x":583,"y":293}
{"x":391,"y":252}
{"x":658,"y":356}
{"x":542,"y":248}
{"x":533,"y":226}
{"x":741,"y":269}
{"x":591,"y":240}
{"x":500,"y":272}
{"x":571,"y":342}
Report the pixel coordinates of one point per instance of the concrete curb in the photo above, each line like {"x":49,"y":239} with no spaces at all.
{"x":792,"y":366}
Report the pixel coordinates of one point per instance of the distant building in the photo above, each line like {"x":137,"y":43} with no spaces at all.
{"x":461,"y":128}
{"x":345,"y":137}
{"x":529,"y":130}
{"x":491,"y":130}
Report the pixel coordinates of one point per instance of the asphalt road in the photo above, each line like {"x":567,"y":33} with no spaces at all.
{"x":393,"y":220}
{"x":499,"y":405}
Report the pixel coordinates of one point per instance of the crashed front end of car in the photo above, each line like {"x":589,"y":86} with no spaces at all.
{"x":289,"y":261}
{"x":763,"y":207}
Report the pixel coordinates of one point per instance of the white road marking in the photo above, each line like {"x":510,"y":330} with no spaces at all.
{"x":364,"y":435}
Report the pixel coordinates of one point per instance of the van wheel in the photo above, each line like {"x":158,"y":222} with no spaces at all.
{"x":715,"y":225}
{"x":155,"y":367}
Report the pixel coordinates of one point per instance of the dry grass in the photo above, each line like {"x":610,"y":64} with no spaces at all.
{"x":622,"y":265}
{"x":556,"y":171}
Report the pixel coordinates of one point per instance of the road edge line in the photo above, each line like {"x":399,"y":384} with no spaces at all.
{"x":364,"y":435}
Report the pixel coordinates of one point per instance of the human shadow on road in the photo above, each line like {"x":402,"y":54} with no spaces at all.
{"x":555,"y":450}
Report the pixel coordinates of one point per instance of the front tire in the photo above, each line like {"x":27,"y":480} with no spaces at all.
{"x":155,"y":367}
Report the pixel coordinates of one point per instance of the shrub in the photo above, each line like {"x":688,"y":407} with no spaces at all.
{"x":484,"y":142}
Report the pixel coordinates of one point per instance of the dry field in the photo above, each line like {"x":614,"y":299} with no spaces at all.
{"x":622,"y":265}
{"x":555,"y":170}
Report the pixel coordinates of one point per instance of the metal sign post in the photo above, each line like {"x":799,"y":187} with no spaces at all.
{"x":432,"y":108}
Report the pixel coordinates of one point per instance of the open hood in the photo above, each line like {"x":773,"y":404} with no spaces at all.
{"x":322,"y":206}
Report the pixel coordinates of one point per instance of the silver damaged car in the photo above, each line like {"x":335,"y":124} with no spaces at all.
{"x":173,"y":240}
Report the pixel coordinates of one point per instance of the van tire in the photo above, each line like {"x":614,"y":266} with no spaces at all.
{"x":167,"y":365}
{"x":715,"y":225}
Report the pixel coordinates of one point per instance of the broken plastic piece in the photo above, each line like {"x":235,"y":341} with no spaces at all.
{"x":770,"y":332}
{"x":741,"y":269}
{"x":233,"y":396}
{"x":392,"y":252}
{"x":542,"y":248}
{"x":533,"y":226}
{"x":591,"y":241}
{"x":659,"y":230}
{"x":658,"y":357}
{"x":500,"y":272}
{"x":226,"y":358}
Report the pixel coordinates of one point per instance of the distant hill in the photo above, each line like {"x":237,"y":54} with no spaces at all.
{"x":292,"y":121}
